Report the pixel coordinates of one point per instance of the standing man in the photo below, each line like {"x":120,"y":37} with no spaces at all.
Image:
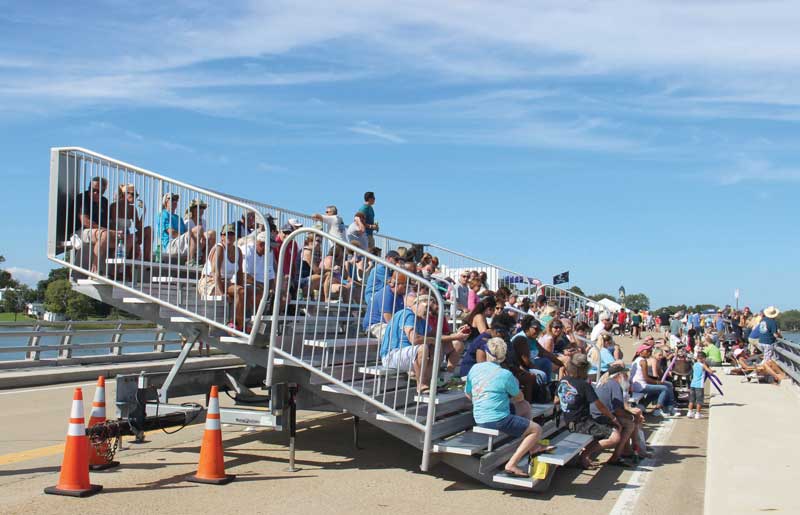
{"x":369,"y":214}
{"x":636,"y":324}
{"x":769,"y":333}
{"x":462,"y":292}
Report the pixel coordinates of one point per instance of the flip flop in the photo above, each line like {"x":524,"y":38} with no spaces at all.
{"x":514,"y":473}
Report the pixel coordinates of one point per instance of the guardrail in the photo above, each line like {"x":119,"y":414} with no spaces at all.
{"x":67,"y":347}
{"x":566,"y":301}
{"x":149,"y":236}
{"x":350,"y":355}
{"x":788,"y":354}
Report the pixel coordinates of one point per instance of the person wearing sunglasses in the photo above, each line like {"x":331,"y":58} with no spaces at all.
{"x":92,"y":225}
{"x":125,"y":218}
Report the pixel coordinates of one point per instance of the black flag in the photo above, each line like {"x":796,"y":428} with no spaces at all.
{"x":561,"y":278}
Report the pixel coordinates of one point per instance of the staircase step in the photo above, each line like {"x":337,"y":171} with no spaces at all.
{"x":233,"y":339}
{"x":451,"y":425}
{"x":135,"y":300}
{"x":568,"y":445}
{"x":468,"y":443}
{"x":491,"y":460}
{"x":454,"y":396}
{"x":337,"y":343}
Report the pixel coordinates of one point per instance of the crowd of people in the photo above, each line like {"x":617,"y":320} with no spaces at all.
{"x":508,"y":350}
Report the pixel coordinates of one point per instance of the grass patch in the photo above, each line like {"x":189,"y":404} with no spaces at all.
{"x":9,"y":317}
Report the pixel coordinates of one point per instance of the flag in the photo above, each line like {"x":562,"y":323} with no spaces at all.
{"x":561,"y":278}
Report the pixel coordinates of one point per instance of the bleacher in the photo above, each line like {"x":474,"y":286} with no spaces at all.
{"x":318,"y":344}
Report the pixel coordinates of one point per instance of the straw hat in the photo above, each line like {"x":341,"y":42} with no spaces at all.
{"x":772,"y":312}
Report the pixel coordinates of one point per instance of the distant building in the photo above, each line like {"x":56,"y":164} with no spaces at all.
{"x":35,"y":309}
{"x":3,"y":292}
{"x":49,"y":316}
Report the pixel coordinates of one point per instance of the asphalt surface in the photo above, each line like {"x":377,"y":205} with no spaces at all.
{"x":334,"y":477}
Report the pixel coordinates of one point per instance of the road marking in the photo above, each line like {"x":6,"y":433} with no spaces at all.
{"x":31,"y":454}
{"x":33,"y":390}
{"x":626,"y":503}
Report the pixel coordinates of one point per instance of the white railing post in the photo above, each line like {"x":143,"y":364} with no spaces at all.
{"x":116,"y":350}
{"x":160,"y":335}
{"x":66,"y":339}
{"x":33,"y":342}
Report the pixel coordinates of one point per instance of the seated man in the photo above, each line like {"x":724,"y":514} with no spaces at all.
{"x":384,"y":304}
{"x":377,"y":275}
{"x":91,"y":226}
{"x":490,"y":387}
{"x":576,"y":396}
{"x":611,"y":393}
{"x":257,"y":269}
{"x":767,"y":369}
{"x":408,"y":343}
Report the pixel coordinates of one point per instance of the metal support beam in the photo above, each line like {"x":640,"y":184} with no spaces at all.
{"x":163,"y":392}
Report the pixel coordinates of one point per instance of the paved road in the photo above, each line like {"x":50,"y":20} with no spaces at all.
{"x":334,"y":478}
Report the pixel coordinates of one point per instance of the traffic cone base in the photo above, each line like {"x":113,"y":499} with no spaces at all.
{"x":219,"y":481}
{"x":54,"y":490}
{"x":97,"y":454}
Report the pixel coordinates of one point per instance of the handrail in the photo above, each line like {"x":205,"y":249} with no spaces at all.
{"x":277,"y":344}
{"x":65,"y":181}
{"x":573,"y":299}
{"x":789,"y":358}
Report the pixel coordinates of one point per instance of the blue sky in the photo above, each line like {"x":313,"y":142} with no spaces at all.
{"x":650,"y":144}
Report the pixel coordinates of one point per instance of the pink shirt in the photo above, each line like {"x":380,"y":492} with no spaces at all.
{"x":472,"y":300}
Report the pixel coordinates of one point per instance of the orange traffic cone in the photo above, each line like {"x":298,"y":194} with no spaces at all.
{"x":74,"y":479}
{"x":98,"y":454}
{"x":211,"y":469}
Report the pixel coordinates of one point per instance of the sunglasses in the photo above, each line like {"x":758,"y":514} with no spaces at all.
{"x":558,"y":327}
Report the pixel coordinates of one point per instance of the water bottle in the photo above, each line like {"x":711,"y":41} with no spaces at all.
{"x":120,"y":248}
{"x":157,"y":254}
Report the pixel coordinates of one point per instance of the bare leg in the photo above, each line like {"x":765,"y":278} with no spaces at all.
{"x":530,"y":442}
{"x":624,"y":441}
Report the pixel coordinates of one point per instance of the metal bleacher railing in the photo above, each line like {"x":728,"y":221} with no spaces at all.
{"x":104,"y":214}
{"x":788,"y":354}
{"x":316,"y":288}
{"x":565,"y":300}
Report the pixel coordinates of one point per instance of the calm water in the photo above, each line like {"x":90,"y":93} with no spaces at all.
{"x":8,"y":340}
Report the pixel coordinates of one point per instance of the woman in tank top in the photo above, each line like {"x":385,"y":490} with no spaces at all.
{"x":222,"y":275}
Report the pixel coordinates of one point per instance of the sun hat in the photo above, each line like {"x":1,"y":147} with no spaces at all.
{"x":605,"y":315}
{"x":287,"y":227}
{"x":198,"y":203}
{"x":643,"y":347}
{"x":228,"y":228}
{"x":294,"y":222}
{"x":262,"y":236}
{"x":772,"y":312}
{"x":615,"y":369}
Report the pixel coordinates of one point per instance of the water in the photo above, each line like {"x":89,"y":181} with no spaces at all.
{"x":792,"y":337}
{"x":8,"y":340}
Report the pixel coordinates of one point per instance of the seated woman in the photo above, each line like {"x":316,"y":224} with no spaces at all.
{"x":124,"y":217}
{"x":576,"y":396}
{"x":522,"y":358}
{"x":478,"y":317}
{"x":408,"y":342}
{"x":310,"y":271}
{"x":768,"y":368}
{"x":490,"y":387}
{"x":652,"y":387}
{"x":222,"y":275}
{"x":605,"y":356}
{"x":336,"y":282}
{"x":501,"y":327}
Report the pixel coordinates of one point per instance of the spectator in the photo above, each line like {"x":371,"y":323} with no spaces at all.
{"x":91,"y":227}
{"x":377,"y":276}
{"x":475,"y":352}
{"x":310,"y":271}
{"x":125,"y":219}
{"x":675,"y":328}
{"x":370,"y":225}
{"x":336,"y":227}
{"x":636,"y":324}
{"x":356,"y":231}
{"x":222,"y":275}
{"x":490,"y":388}
{"x":472,"y":296}
{"x":712,"y":352}
{"x":622,"y":319}
{"x":768,"y":368}
{"x":246,"y":226}
{"x":769,"y":333}
{"x":408,"y":343}
{"x":576,"y":396}
{"x":605,"y":355}
{"x":257,"y":269}
{"x":529,"y":362}
{"x":650,"y":386}
{"x":384,"y":304}
{"x":611,"y":392}
{"x":200,"y":241}
{"x":478,"y":318}
{"x":554,"y":332}
{"x":696,"y":389}
{"x":462,"y":293}
{"x":291,"y":260}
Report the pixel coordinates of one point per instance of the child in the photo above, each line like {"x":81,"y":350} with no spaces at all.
{"x":696,"y":394}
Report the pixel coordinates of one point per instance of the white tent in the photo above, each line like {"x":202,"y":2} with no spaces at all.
{"x":610,"y":305}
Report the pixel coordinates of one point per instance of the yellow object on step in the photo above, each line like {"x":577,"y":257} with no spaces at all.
{"x":539,"y":470}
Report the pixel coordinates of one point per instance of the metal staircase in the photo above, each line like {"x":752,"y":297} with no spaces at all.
{"x":313,"y":336}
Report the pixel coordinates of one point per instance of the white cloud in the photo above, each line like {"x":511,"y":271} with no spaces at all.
{"x":369,"y":129}
{"x":754,"y":170}
{"x":25,"y":275}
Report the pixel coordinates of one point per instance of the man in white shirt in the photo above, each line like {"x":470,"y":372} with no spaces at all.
{"x":253,"y":266}
{"x":605,"y":325}
{"x":336,"y":227}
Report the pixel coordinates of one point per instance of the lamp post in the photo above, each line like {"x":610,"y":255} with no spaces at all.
{"x":622,"y":296}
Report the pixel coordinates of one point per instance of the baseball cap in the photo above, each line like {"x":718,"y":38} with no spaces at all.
{"x":287,"y":227}
{"x":393,"y":254}
{"x":605,"y":315}
{"x":615,"y":369}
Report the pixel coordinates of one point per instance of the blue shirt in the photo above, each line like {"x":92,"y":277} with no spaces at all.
{"x":767,"y":329}
{"x":696,"y":320}
{"x":720,"y":324}
{"x":369,"y":213}
{"x":172,"y":221}
{"x":490,"y":388}
{"x":606,"y":359}
{"x":384,"y":301}
{"x":698,"y":375}
{"x":470,"y":356}
{"x":395,"y":337}
{"x":376,"y":278}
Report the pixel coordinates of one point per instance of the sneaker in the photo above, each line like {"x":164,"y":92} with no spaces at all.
{"x":689,"y":414}
{"x":672,"y":411}
{"x":698,"y":416}
{"x":657,"y":413}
